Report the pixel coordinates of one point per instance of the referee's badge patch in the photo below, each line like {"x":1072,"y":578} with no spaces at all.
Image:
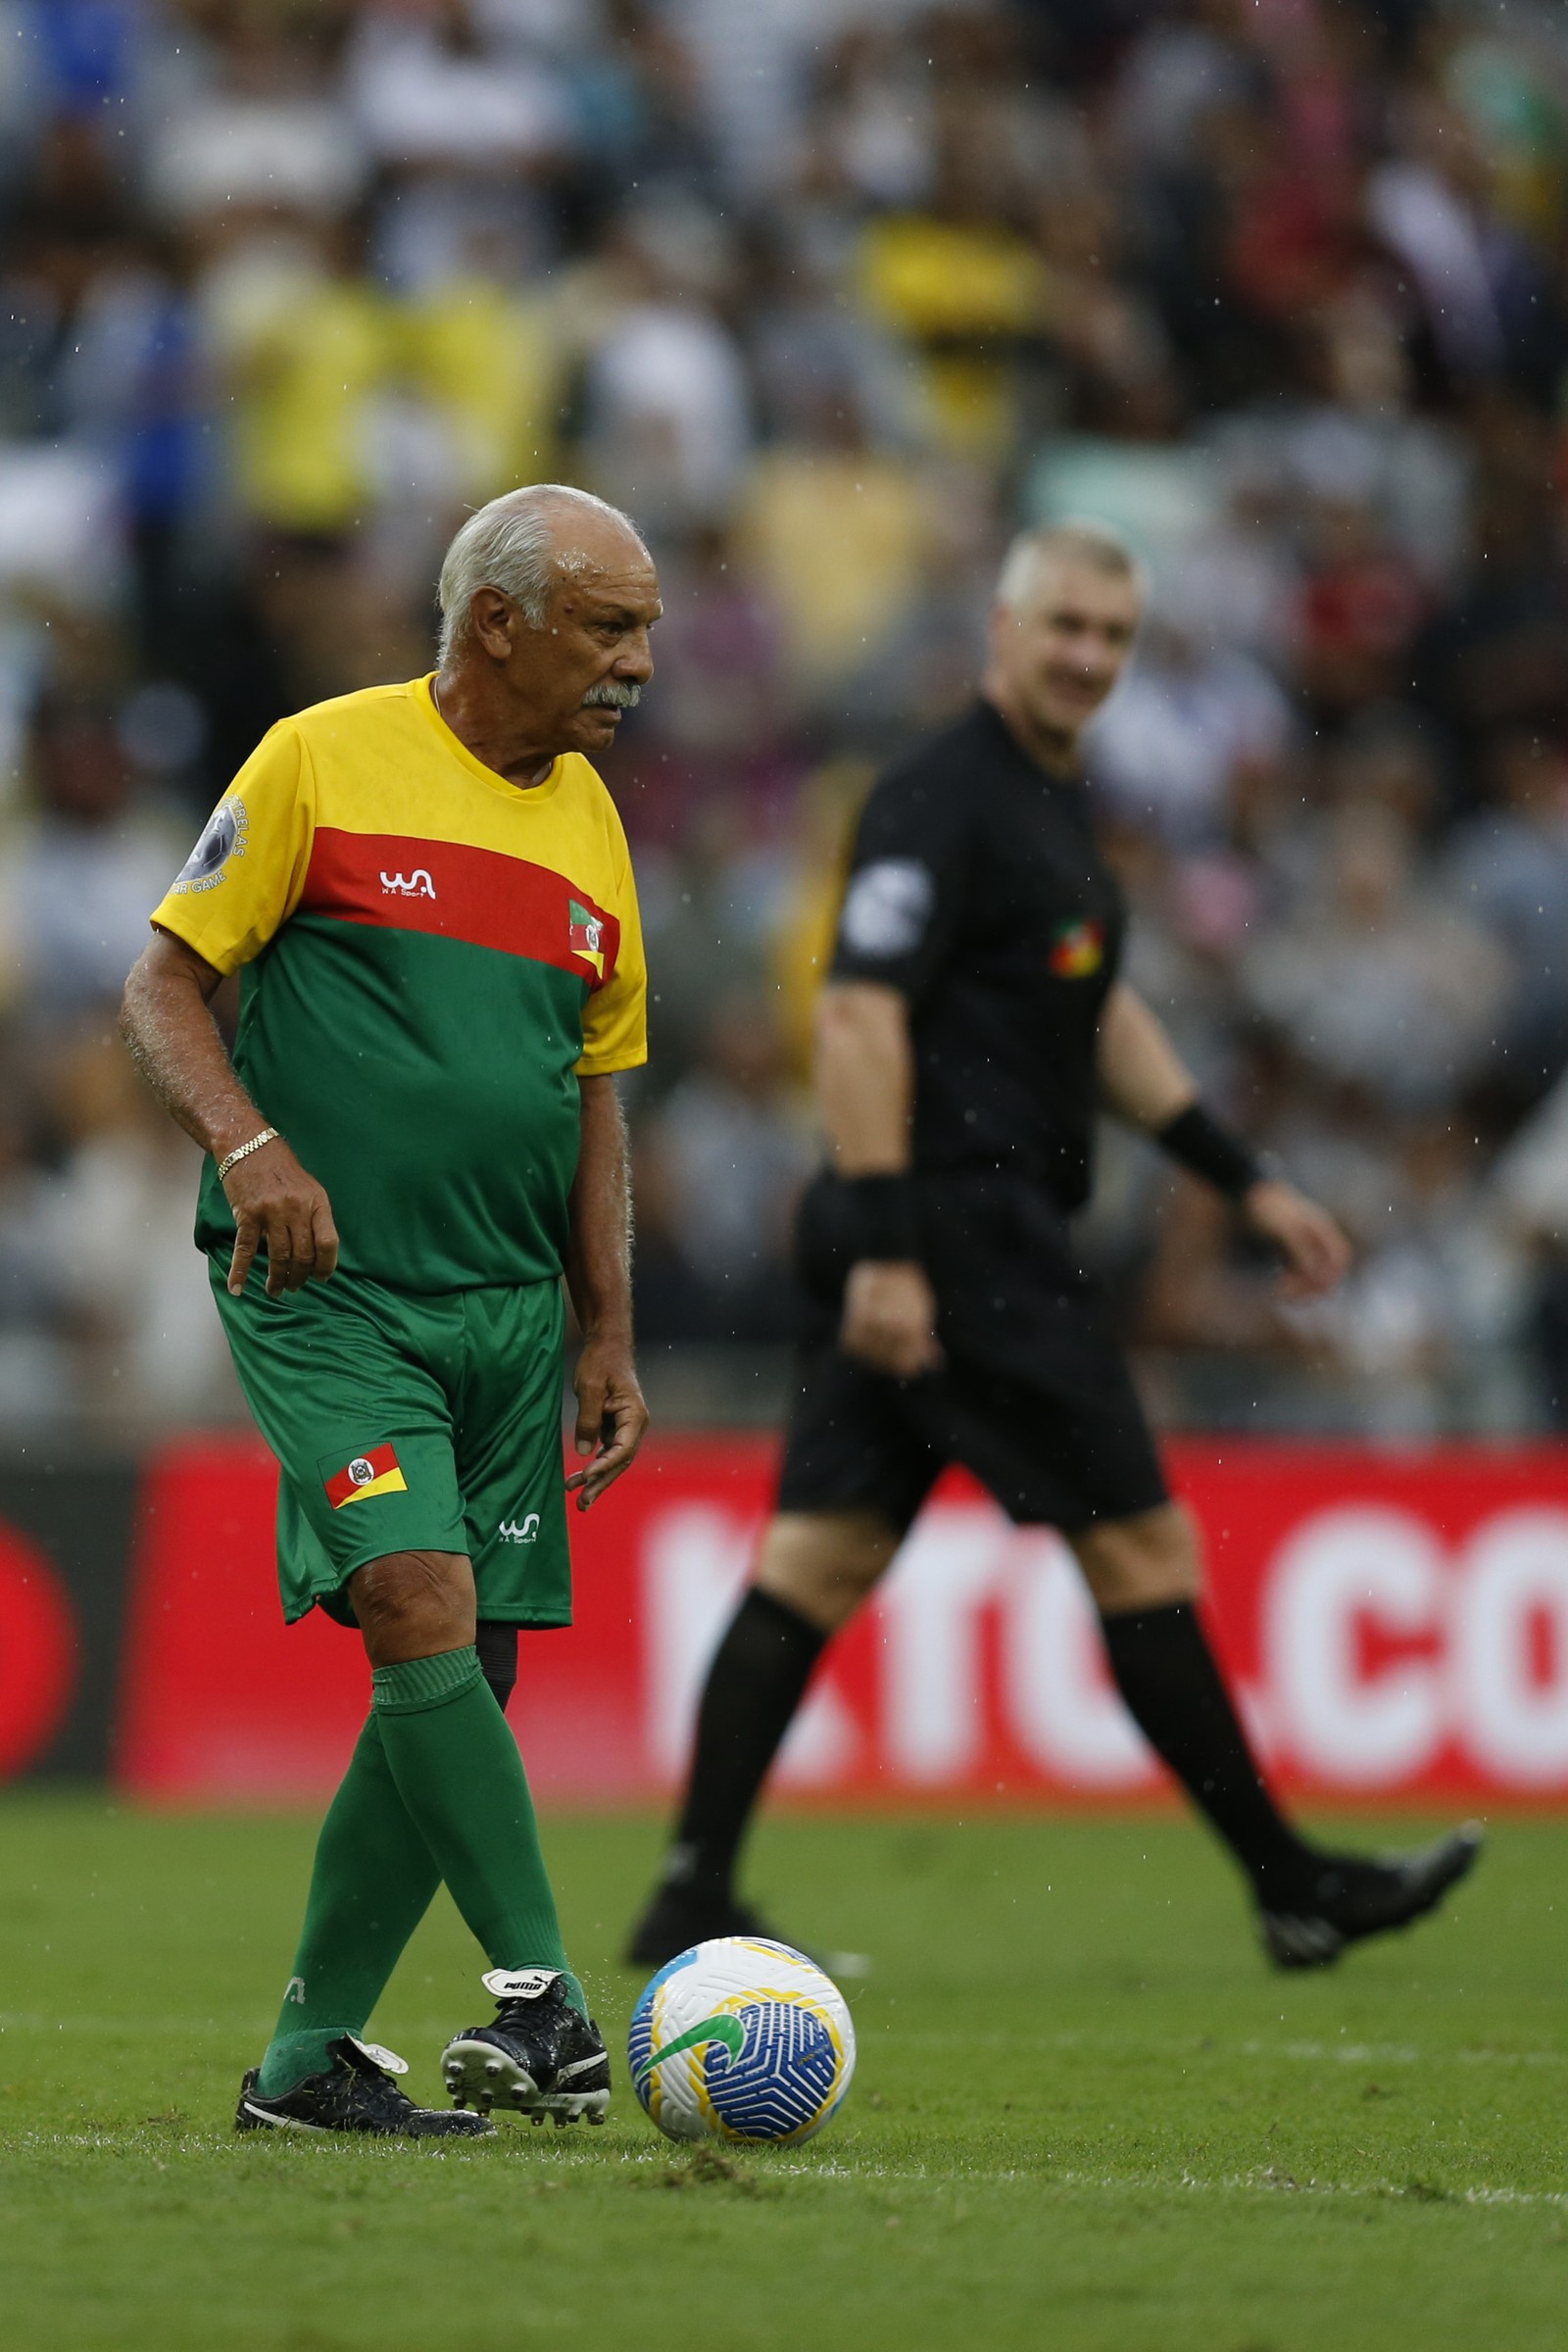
{"x":887,"y":907}
{"x":375,"y":1472}
{"x":1077,"y":950}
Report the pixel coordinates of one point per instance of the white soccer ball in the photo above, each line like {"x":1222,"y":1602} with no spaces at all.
{"x":741,"y":2039}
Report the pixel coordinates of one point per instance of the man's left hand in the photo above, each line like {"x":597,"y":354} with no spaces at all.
{"x":1317,"y":1256}
{"x":610,"y":1416}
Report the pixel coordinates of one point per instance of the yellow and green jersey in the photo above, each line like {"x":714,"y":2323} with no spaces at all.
{"x":430,"y":958}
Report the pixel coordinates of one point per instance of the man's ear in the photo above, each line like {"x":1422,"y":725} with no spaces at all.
{"x":494,"y":621}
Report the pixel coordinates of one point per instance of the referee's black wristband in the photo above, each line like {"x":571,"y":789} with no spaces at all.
{"x":884,"y":1216}
{"x":1198,"y":1141}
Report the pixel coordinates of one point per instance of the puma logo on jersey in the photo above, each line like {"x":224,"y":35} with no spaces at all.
{"x":527,"y":1533}
{"x":417,"y":885}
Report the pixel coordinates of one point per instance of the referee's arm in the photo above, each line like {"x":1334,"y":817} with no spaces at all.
{"x":1145,"y":1082}
{"x":866,"y":1083}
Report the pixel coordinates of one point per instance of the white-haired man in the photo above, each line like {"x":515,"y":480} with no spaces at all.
{"x":426,"y":892}
{"x":972,"y":1022}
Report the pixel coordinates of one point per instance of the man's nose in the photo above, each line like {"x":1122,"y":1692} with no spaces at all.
{"x":635,"y":660}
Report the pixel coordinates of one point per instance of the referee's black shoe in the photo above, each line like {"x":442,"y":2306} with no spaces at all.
{"x":1352,"y":1898}
{"x":677,"y":1918}
{"x":356,"y":2093}
{"x":540,"y":2056}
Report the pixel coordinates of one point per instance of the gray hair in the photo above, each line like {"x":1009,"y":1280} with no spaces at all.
{"x":513,"y":543}
{"x":1093,"y":544}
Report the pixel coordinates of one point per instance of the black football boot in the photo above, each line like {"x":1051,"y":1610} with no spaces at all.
{"x":1352,"y":1898}
{"x":539,"y":2056}
{"x":356,"y":2093}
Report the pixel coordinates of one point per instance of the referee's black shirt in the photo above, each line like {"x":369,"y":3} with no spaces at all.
{"x":977,"y":890}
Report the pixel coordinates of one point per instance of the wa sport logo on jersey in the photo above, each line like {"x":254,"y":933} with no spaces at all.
{"x":417,"y":885}
{"x":523,"y":1531}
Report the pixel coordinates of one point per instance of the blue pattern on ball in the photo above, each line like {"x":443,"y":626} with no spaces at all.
{"x":640,"y":2038}
{"x":785,"y":2073}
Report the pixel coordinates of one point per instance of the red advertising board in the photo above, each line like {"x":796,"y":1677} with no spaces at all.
{"x":1398,"y":1626}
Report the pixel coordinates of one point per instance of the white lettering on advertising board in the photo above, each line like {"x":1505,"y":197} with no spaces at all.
{"x":1381,"y":1645}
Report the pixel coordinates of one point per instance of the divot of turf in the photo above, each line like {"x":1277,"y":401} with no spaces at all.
{"x":712,"y":2168}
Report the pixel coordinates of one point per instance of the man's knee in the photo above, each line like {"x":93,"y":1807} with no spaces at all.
{"x":1146,"y":1562}
{"x":414,"y":1604}
{"x":822,"y":1564}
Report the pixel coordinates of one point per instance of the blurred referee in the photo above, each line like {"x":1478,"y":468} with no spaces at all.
{"x":973,"y":1023}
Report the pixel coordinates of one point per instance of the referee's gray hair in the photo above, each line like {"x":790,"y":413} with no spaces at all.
{"x":1092,"y":544}
{"x":518,"y":544}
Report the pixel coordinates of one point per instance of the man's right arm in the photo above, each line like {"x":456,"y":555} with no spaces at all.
{"x":866,"y":1083}
{"x":167,"y":1024}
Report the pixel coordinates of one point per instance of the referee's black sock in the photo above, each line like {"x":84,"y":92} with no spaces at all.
{"x":754,"y":1684}
{"x":1165,"y":1671}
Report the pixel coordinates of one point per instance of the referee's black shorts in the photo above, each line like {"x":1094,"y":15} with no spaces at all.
{"x":1036,"y":1399}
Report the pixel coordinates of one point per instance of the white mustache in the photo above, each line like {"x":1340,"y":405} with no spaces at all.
{"x":612,"y":695}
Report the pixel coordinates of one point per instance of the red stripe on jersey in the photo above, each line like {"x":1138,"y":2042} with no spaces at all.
{"x":396,"y":882}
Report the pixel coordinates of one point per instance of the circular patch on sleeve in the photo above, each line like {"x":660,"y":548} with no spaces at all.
{"x":223,"y":838}
{"x":887,"y":907}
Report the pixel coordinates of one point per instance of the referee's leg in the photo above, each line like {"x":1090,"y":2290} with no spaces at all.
{"x":1142,"y":1572}
{"x":813,"y":1570}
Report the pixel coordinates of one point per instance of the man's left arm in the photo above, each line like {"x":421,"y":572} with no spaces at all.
{"x":610,"y":1413}
{"x":1145,"y":1082}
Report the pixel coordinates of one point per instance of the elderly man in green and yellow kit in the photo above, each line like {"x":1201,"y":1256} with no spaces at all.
{"x":426,"y":892}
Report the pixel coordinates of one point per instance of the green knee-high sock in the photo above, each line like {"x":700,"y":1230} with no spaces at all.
{"x":461,"y":1776}
{"x":370,"y":1886}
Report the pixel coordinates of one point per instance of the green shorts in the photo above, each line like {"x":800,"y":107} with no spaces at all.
{"x":406,"y":1423}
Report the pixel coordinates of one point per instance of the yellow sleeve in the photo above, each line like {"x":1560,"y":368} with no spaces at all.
{"x":614,"y":1021}
{"x":245,"y":874}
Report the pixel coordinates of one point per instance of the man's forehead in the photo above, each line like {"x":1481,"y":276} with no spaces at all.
{"x":593,"y":584}
{"x":1061,"y":585}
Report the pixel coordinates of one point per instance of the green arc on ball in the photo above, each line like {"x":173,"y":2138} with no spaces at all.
{"x":727,"y":2029}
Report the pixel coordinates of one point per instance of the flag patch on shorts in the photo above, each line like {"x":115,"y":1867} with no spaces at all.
{"x":378,"y":1472}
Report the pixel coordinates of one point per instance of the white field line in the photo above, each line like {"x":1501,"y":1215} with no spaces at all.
{"x":833,"y":2173}
{"x":1127,"y":2046}
{"x":1342,"y":2053}
{"x":1269,"y":2183}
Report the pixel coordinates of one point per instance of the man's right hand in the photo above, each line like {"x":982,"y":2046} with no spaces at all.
{"x":890,"y":1319}
{"x":275,"y":1201}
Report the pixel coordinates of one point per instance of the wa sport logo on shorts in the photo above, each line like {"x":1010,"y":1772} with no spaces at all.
{"x":376,"y":1471}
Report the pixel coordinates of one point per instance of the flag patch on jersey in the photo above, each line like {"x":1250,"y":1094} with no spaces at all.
{"x":378,"y":1472}
{"x":585,"y":935}
{"x":1077,"y":950}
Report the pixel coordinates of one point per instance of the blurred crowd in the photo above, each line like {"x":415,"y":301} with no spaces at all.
{"x":831,"y":295}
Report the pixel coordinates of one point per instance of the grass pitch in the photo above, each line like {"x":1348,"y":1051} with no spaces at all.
{"x":1086,"y":2118}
